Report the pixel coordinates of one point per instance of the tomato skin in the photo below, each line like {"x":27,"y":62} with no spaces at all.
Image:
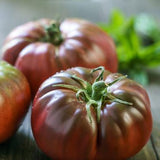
{"x":14,"y":99}
{"x":62,"y":129}
{"x":84,"y":44}
{"x":29,"y":63}
{"x":124,"y":127}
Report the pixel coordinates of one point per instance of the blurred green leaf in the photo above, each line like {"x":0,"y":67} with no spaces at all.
{"x":146,"y":25}
{"x":139,"y":76}
{"x":131,"y":34}
{"x":150,"y":55}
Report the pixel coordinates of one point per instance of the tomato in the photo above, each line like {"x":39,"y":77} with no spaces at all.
{"x":41,"y":48}
{"x":14,"y":99}
{"x":91,"y":114}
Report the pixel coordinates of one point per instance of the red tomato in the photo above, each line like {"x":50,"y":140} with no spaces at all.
{"x":14,"y":99}
{"x":41,"y":48}
{"x":84,"y":114}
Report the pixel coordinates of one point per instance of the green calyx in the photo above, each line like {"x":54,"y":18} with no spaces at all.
{"x":95,"y":95}
{"x":53,"y":34}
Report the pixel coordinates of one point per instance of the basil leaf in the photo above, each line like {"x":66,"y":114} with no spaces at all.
{"x":137,"y":40}
{"x":139,"y":76}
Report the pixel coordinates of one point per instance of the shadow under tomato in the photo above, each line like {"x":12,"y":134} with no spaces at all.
{"x":22,"y":145}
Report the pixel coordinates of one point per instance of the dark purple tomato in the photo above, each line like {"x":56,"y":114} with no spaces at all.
{"x":14,"y":99}
{"x":43,"y":47}
{"x":85,"y":114}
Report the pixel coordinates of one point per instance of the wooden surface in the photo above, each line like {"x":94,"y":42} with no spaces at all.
{"x":15,"y":12}
{"x":22,"y":145}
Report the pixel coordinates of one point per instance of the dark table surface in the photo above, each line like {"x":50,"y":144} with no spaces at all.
{"x":16,"y":12}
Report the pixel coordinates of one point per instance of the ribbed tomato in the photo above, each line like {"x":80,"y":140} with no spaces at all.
{"x":84,"y":114}
{"x":41,"y":48}
{"x":14,"y":99}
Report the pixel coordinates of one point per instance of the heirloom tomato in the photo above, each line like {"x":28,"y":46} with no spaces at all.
{"x":41,"y":48}
{"x":14,"y":99}
{"x":84,"y":114}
